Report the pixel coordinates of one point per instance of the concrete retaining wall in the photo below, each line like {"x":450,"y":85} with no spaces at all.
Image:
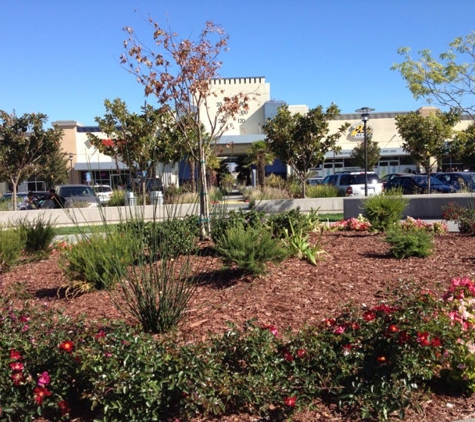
{"x":425,"y":207}
{"x":94,"y":216}
{"x":323,"y":205}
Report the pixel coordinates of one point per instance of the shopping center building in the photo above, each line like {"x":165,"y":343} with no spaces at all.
{"x":88,"y":164}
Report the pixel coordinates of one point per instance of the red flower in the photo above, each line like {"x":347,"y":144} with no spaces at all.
{"x":288,"y":357}
{"x":40,"y":393}
{"x":423,"y":338}
{"x":64,"y":407}
{"x":369,"y":316}
{"x":436,"y":342}
{"x":382,"y":359}
{"x":101,"y":334}
{"x":330,"y":322}
{"x":393,"y":329}
{"x":301,"y":353}
{"x":384,"y":308}
{"x":17,"y":366}
{"x":290,"y":401}
{"x":403,"y":337}
{"x":67,"y":346}
{"x":15,"y":355}
{"x":18,"y":377}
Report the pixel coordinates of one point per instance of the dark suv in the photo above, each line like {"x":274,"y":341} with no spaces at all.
{"x":414,"y":184}
{"x":352,"y":183}
{"x":463,"y":180}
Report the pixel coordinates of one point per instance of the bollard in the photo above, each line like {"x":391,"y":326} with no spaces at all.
{"x":156,"y":198}
{"x":130,"y":199}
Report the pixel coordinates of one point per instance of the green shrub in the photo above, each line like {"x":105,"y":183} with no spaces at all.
{"x":405,"y":243}
{"x":250,"y":248}
{"x":321,"y":191}
{"x":37,"y":235}
{"x":287,"y":222}
{"x":11,"y":246}
{"x":384,"y":210}
{"x":117,"y":199}
{"x":96,"y":261}
{"x":222,"y":221}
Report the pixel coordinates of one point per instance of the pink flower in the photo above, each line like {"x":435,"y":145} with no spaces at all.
{"x":339,"y":330}
{"x":44,"y":379}
{"x":272,"y":329}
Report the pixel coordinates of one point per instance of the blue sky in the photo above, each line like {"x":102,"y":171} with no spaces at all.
{"x":61,"y":57}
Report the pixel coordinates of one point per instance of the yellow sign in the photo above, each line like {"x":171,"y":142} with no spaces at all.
{"x":357,"y":131}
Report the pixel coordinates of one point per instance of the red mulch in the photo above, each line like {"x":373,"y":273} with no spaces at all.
{"x":356,"y":267}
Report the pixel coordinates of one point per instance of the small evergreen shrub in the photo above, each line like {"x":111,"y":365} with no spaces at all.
{"x":117,"y":199}
{"x":223,"y":222}
{"x":384,"y":210}
{"x":406,"y":243}
{"x":37,"y":235}
{"x":287,"y":222}
{"x":11,"y":246}
{"x":250,"y":248}
{"x":321,"y":191}
{"x":98,"y":260}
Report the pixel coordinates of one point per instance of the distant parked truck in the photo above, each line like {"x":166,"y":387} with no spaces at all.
{"x":80,"y":196}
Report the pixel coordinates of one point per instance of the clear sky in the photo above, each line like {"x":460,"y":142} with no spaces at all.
{"x":61,"y":57}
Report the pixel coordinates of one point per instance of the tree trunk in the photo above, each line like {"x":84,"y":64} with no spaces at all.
{"x":205,"y":227}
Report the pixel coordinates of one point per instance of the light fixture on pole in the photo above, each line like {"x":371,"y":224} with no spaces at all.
{"x":365,"y":117}
{"x":71,"y":167}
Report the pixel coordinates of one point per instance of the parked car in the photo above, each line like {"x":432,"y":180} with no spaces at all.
{"x":387,"y":177}
{"x":353,"y":183}
{"x":81,"y":196}
{"x":103,"y":192}
{"x":462,"y":181}
{"x":314,"y":181}
{"x":414,"y":184}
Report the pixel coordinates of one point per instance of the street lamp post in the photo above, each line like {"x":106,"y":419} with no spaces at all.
{"x":71,"y":167}
{"x":365,"y":117}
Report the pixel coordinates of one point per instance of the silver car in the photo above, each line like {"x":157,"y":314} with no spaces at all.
{"x":78,"y":196}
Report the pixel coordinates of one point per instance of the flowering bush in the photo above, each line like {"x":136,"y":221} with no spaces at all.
{"x":374,"y":360}
{"x":463,"y":216}
{"x":411,"y":223}
{"x":460,"y":299}
{"x":353,"y":224}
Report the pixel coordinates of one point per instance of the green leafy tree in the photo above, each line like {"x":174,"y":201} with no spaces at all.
{"x":462,"y":148}
{"x":140,"y":141}
{"x":373,"y":153}
{"x":55,"y":169}
{"x":425,"y":137}
{"x":302,"y":141}
{"x":178,"y":72}
{"x":448,"y":81}
{"x":25,"y":146}
{"x":260,"y":155}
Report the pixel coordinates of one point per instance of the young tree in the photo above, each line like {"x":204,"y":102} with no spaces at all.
{"x":302,"y":141}
{"x":179,"y":74}
{"x":373,"y":153}
{"x":425,"y":137}
{"x":25,"y":146}
{"x":260,"y":155}
{"x":140,"y":141}
{"x":55,"y":170}
{"x":462,"y":148}
{"x":449,"y":81}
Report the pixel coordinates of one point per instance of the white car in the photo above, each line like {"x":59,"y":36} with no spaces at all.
{"x":353,"y":183}
{"x":103,"y":192}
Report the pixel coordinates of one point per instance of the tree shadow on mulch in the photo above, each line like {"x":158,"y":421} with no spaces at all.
{"x":219,"y":279}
